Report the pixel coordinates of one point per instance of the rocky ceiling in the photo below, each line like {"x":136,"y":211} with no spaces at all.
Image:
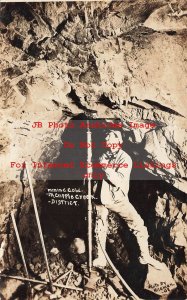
{"x":63,"y":58}
{"x":88,"y":44}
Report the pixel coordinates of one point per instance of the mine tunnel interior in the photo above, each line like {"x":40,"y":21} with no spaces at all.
{"x":154,"y":199}
{"x":65,"y":223}
{"x":64,"y":59}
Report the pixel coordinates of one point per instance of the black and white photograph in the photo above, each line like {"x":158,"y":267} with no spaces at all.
{"x":93,"y":150}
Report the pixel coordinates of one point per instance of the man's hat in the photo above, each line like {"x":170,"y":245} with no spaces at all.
{"x":117,"y":134}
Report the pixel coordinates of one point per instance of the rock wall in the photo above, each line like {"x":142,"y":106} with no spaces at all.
{"x":122,"y":59}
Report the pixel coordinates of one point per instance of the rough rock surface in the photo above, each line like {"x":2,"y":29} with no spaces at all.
{"x":62,"y":59}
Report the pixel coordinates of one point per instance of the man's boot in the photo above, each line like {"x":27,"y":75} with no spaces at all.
{"x":145,"y":257}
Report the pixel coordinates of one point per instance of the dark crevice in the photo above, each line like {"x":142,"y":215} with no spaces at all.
{"x":8,"y":231}
{"x":55,"y":102}
{"x":6,"y":14}
{"x":3,"y":30}
{"x":106,"y":101}
{"x":162,"y":107}
{"x":20,"y":293}
{"x":76,"y":99}
{"x":22,"y":87}
{"x":18,"y":212}
{"x":24,"y":10}
{"x":82,"y":17}
{"x":61,"y":26}
{"x":34,"y":50}
{"x":12,"y":72}
{"x":171,"y":32}
{"x":43,"y":40}
{"x":70,"y":5}
{"x":17,"y":42}
{"x":29,"y":7}
{"x":137,"y":32}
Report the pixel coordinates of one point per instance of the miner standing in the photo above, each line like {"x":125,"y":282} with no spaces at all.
{"x":114,"y":197}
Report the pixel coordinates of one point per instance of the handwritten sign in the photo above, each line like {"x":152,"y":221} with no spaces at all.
{"x":66,"y":196}
{"x":159,"y":282}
